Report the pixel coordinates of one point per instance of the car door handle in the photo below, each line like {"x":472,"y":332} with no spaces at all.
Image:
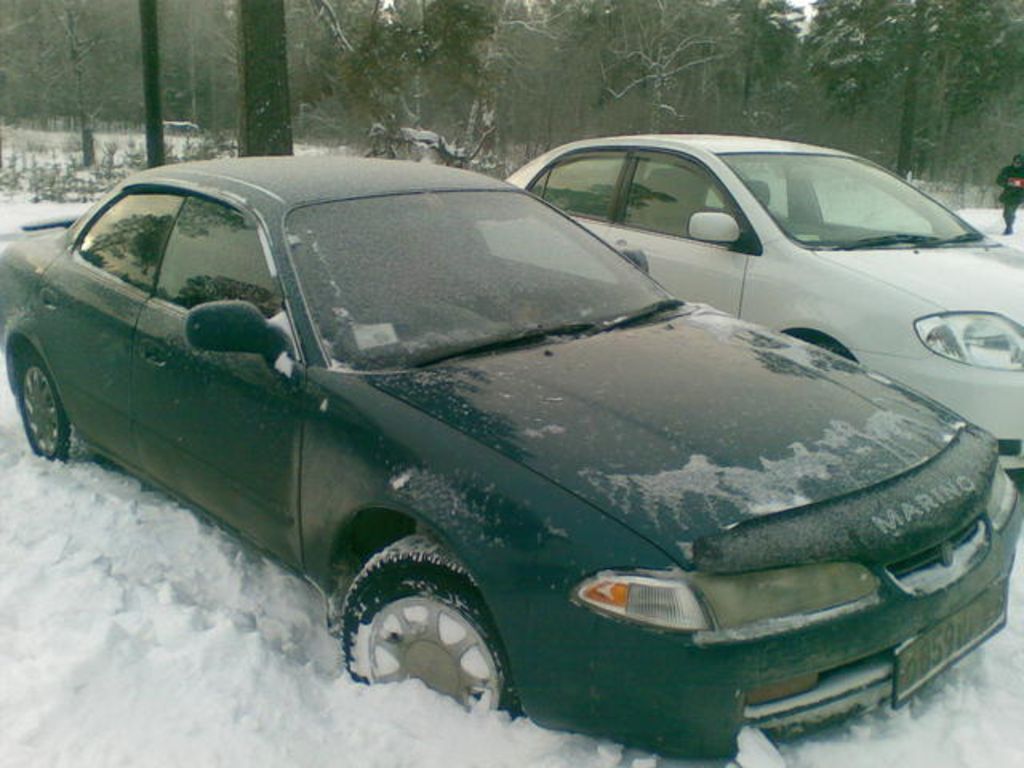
{"x":153,"y":354}
{"x":49,"y":298}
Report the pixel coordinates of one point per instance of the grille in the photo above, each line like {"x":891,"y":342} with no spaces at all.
{"x":943,"y":563}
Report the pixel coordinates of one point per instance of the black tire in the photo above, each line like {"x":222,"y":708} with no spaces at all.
{"x":415,"y":575}
{"x":46,"y":423}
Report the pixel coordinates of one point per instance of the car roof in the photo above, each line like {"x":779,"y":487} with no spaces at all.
{"x":296,"y":180}
{"x":713,"y":143}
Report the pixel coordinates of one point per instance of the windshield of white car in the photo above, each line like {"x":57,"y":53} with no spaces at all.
{"x":409,"y":279}
{"x":844,"y":203}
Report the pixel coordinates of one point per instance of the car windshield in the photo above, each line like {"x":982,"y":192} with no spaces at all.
{"x":409,"y":279}
{"x":843,"y":203}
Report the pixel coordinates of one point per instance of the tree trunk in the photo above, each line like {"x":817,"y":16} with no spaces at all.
{"x":908,"y":122}
{"x":88,"y":147}
{"x":193,"y":80}
{"x":76,"y":55}
{"x":264,"y":112}
{"x":750,"y":50}
{"x":658,"y":93}
{"x":151,"y":83}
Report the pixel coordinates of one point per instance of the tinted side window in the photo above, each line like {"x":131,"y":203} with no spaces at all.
{"x":584,"y":186}
{"x":664,"y":194}
{"x":126,"y":239}
{"x":539,"y":185}
{"x":214,"y":253}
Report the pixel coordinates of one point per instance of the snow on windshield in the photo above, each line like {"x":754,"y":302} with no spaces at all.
{"x":835,"y":201}
{"x":396,"y":279}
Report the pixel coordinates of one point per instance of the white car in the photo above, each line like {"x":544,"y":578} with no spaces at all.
{"x":816,"y":243}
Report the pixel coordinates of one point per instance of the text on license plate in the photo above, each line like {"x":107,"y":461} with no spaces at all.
{"x":936,"y":648}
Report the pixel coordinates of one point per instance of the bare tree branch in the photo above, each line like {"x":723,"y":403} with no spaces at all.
{"x":323,"y":11}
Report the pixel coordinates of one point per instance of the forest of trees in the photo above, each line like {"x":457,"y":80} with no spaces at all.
{"x":932,"y":87}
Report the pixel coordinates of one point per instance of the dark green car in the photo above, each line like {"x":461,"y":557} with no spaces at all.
{"x":517,"y":469}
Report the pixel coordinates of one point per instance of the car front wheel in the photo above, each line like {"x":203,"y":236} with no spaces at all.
{"x":46,"y":422}
{"x":413,"y":612}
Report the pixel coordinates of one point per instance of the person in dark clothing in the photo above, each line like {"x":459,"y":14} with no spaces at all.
{"x":1011,"y":179}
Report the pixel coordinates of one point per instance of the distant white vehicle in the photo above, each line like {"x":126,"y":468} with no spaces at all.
{"x":181,"y":128}
{"x":819,"y":244}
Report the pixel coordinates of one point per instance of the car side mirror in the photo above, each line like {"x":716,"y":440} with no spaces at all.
{"x":714,"y":227}
{"x":234,"y":326}
{"x":638,"y":259}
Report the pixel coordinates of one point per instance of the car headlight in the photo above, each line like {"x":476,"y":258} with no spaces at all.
{"x":696,"y":601}
{"x":1002,"y":500}
{"x":974,"y":338}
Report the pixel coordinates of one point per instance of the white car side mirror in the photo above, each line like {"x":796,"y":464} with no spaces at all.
{"x":714,"y":227}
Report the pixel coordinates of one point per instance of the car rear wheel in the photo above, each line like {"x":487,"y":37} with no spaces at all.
{"x":413,"y":612}
{"x":42,"y":413}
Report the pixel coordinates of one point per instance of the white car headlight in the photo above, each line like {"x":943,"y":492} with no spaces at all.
{"x":981,"y":339}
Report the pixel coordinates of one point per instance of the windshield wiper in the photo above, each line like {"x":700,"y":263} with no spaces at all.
{"x":966,"y":237}
{"x":896,"y":239}
{"x":645,"y":313}
{"x":528,"y":336}
{"x":520,"y":338}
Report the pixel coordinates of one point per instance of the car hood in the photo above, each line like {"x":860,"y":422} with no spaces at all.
{"x":686,"y":427}
{"x":976,"y":278}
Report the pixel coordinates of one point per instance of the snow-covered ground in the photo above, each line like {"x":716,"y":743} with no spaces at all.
{"x":36,"y":145}
{"x":14,"y":213}
{"x":132,"y":633}
{"x":45,"y":165}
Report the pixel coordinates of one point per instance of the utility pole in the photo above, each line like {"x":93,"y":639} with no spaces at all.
{"x":151,"y":83}
{"x":264,"y":113}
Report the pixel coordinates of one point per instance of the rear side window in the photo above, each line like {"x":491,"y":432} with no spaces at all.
{"x":584,"y":186}
{"x":127,"y":238}
{"x":665,"y":193}
{"x":214,"y":253}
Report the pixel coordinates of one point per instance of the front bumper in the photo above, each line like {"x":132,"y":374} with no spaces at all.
{"x":675,"y":693}
{"x":884,"y":677}
{"x":994,"y":400}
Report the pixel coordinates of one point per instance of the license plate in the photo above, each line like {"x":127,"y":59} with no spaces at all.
{"x":920,"y":659}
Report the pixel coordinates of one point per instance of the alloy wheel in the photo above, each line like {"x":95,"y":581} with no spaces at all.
{"x":42,"y":414}
{"x":422,"y":638}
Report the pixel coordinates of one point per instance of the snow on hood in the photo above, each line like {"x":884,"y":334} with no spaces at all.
{"x":780,"y":483}
{"x":968,"y":278}
{"x":686,"y":427}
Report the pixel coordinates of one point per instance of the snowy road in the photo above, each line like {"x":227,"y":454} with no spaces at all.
{"x":134,"y":634}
